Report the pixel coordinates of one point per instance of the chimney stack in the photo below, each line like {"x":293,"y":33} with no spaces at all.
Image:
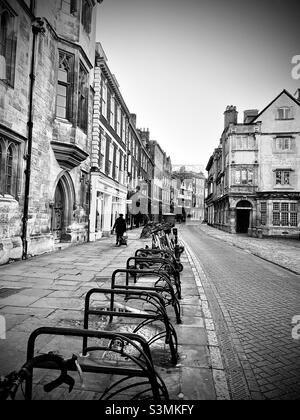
{"x":230,"y":116}
{"x":297,"y":95}
{"x":145,"y":136}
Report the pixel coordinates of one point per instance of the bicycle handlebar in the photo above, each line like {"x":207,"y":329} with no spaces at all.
{"x":9,"y":384}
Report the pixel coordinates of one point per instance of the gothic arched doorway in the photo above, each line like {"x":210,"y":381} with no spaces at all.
{"x":58,"y":212}
{"x":243,"y":215}
{"x":63,"y":207}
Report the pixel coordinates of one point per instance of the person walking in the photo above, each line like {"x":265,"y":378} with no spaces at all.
{"x":120,"y":227}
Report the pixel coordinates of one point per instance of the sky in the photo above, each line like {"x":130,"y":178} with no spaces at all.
{"x":179,"y":63}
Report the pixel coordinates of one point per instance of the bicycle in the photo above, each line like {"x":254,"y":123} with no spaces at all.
{"x":10,"y":383}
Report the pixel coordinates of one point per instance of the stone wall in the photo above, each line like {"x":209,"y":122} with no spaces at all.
{"x":13,"y":127}
{"x":46,"y":171}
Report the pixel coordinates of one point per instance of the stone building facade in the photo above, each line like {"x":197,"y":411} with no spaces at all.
{"x":121,"y":167}
{"x":140,"y":175}
{"x":146,"y":175}
{"x":191,"y":194}
{"x":157,"y":183}
{"x":109,"y":150}
{"x":198,"y":207}
{"x":59,"y":124}
{"x":254,"y":174}
{"x":16,"y":39}
{"x":161,"y":182}
{"x":166,"y":192}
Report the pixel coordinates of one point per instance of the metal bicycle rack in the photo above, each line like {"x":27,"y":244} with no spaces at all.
{"x":133,"y":358}
{"x":157,"y":313}
{"x":162,"y":285}
{"x":161,"y":266}
{"x":118,"y":342}
{"x":162,"y":253}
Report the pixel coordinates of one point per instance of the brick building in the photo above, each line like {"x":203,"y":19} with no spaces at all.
{"x":254,"y":174}
{"x":44,"y":123}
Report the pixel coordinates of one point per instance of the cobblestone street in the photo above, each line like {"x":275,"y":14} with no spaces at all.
{"x":253,"y":303}
{"x":284,"y":252}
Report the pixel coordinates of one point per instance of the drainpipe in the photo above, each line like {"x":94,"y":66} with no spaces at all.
{"x":37,"y":28}
{"x":89,"y":204}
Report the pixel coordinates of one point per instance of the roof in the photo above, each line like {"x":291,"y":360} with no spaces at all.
{"x":274,"y":100}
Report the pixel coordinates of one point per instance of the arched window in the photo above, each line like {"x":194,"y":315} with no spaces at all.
{"x":9,"y":170}
{"x":9,"y":165}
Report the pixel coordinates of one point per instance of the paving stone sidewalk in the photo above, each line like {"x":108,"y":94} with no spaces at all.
{"x":49,"y":290}
{"x":283,"y":252}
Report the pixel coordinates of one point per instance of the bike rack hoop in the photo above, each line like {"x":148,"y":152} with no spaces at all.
{"x":162,"y":278}
{"x":145,"y":363}
{"x":155,"y":260}
{"x":158,"y":313}
{"x":160,"y":252}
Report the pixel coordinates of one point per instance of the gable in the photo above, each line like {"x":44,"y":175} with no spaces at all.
{"x":282,"y":115}
{"x":284,"y":99}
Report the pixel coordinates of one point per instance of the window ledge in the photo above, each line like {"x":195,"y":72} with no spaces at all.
{"x":63,"y":120}
{"x":7,"y":83}
{"x":245,"y":150}
{"x":284,"y":151}
{"x":7,"y":197}
{"x":283,"y":187}
{"x":243,"y":185}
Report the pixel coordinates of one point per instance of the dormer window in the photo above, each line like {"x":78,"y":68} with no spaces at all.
{"x":284,"y":113}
